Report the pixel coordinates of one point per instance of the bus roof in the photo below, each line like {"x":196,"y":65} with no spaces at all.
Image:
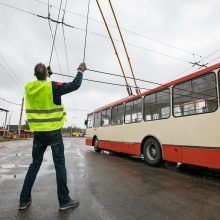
{"x":184,"y":78}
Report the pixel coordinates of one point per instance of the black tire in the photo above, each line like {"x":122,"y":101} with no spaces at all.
{"x":96,"y":145}
{"x":152,"y":152}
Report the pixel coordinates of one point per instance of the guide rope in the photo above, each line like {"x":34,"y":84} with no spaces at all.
{"x":54,"y":37}
{"x":87,"y":23}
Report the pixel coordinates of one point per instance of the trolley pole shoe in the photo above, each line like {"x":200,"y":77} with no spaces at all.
{"x":25,"y":205}
{"x":71,"y":204}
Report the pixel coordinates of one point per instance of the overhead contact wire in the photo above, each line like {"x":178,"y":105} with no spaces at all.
{"x":5,"y":100}
{"x":121,"y":85}
{"x":129,"y":31}
{"x":97,"y":34}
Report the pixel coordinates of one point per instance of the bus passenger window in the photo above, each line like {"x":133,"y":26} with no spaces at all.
{"x":118,"y":115}
{"x":97,"y":122}
{"x":133,"y":111}
{"x":157,"y":105}
{"x":128,"y":112}
{"x":137,"y":110}
{"x":90,"y":121}
{"x":195,"y":96}
{"x":106,"y":117}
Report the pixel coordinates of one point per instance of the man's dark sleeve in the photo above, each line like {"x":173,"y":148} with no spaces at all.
{"x":60,"y":89}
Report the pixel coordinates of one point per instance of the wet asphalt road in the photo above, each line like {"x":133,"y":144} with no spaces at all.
{"x":109,"y":186}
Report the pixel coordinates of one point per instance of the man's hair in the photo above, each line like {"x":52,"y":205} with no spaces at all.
{"x":40,"y":71}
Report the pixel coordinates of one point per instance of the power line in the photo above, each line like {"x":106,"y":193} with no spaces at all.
{"x":112,"y":74}
{"x":203,"y":65}
{"x":129,"y":31}
{"x":58,"y":22}
{"x":122,"y":85}
{"x":98,"y":81}
{"x":10,"y":102}
{"x":100,"y":35}
{"x":142,"y":80}
{"x":12,"y":71}
{"x":116,"y":40}
{"x":214,"y":59}
{"x":12,"y":78}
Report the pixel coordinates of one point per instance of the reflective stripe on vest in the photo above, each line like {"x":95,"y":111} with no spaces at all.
{"x":42,"y":113}
{"x":47,"y":119}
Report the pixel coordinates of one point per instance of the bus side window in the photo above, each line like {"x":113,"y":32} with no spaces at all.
{"x":157,"y":105}
{"x":97,"y":122}
{"x":106,"y":117}
{"x":114,"y":115}
{"x":118,"y":115}
{"x":128,"y":112}
{"x":195,"y":96}
{"x":90,"y":121}
{"x":137,"y":110}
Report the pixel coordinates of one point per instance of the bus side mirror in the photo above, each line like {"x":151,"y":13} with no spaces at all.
{"x":86,"y":122}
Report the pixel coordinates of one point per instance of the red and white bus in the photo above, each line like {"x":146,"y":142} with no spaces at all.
{"x":176,"y":122}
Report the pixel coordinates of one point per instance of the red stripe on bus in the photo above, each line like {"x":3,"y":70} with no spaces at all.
{"x":190,"y":155}
{"x":172,"y":153}
{"x":129,"y":148}
{"x":89,"y":141}
{"x":197,"y":156}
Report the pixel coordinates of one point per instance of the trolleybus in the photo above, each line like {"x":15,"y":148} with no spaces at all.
{"x":176,"y":122}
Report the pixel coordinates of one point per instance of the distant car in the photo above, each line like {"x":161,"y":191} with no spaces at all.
{"x":76,"y":134}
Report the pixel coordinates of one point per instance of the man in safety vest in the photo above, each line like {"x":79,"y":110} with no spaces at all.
{"x":46,"y":116}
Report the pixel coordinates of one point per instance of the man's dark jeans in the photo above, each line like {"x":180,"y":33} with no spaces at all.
{"x":40,"y":143}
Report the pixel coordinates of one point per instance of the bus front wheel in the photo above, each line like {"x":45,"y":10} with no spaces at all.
{"x":152,"y":152}
{"x":96,"y":145}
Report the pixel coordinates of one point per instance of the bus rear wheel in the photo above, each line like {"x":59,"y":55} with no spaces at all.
{"x":152,"y":152}
{"x":96,"y":145}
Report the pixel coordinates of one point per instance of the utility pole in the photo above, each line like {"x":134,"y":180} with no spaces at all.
{"x":19,"y":126}
{"x":5,"y":127}
{"x":9,"y":122}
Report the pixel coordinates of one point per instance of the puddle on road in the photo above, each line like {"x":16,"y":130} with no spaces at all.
{"x":16,"y":155}
{"x":81,"y":165}
{"x":9,"y":166}
{"x":10,"y":176}
{"x":19,"y":155}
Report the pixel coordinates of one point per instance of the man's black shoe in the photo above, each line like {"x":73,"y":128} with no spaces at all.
{"x":23,"y":206}
{"x":70,"y":204}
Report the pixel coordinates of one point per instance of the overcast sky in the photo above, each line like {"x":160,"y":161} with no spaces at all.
{"x":168,"y":34}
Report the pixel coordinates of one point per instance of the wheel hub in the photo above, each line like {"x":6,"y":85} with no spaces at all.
{"x":152,"y":152}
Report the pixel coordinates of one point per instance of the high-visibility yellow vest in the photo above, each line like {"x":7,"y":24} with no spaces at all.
{"x":42,"y":113}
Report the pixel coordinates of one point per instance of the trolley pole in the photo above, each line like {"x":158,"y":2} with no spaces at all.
{"x":19,"y":125}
